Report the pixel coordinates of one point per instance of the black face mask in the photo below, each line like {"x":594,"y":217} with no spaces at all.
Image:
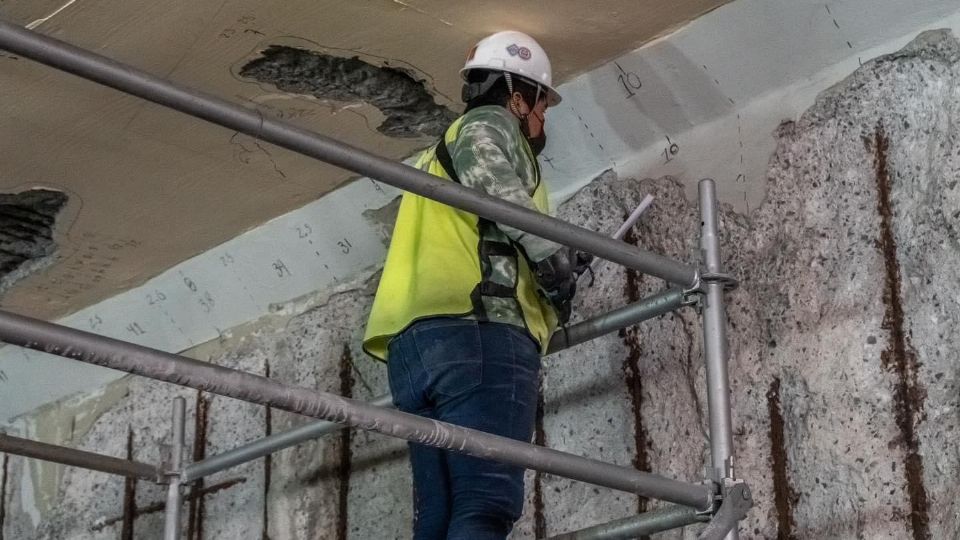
{"x":536,"y":143}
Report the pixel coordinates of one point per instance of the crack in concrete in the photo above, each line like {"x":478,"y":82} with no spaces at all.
{"x":783,"y":494}
{"x":409,"y":109}
{"x":42,"y":20}
{"x":422,"y":12}
{"x":900,"y":358}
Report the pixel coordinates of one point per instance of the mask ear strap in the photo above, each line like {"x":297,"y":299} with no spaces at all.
{"x":513,"y":105}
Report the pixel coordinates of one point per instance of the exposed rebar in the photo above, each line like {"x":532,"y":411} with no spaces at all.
{"x":163,"y":366}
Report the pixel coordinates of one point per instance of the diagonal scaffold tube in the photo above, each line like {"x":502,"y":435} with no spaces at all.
{"x":144,"y":361}
{"x":128,"y":79}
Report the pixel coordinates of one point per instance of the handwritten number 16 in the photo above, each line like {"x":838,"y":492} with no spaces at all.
{"x":629,"y":80}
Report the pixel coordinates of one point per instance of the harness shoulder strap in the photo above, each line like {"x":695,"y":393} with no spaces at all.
{"x":443,"y":156}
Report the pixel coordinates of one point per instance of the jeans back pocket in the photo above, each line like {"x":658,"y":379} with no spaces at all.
{"x":452,"y":355}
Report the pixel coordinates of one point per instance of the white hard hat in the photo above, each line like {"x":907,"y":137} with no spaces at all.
{"x":513,"y":52}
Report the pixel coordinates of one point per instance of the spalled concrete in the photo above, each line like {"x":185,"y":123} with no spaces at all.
{"x":27,"y":221}
{"x":841,"y":356}
{"x":409,"y":109}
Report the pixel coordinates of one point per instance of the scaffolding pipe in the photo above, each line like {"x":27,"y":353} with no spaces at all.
{"x":171,"y":528}
{"x":671,"y":517}
{"x":629,"y":315}
{"x":648,"y":308}
{"x":267,"y":445}
{"x":715,"y":341}
{"x":77,"y":458}
{"x":138,"y":360}
{"x":100,"y":69}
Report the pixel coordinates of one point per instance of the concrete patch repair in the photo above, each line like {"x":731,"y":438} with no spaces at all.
{"x":408,"y":108}
{"x":27,"y":220}
{"x":841,"y":350}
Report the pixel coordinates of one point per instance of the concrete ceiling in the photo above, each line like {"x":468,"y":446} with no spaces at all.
{"x":148,"y":187}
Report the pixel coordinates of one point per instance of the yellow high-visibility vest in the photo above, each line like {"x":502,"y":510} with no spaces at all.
{"x":433,"y":266}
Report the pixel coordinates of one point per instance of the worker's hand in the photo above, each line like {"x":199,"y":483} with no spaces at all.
{"x":581,"y":261}
{"x":556,"y":276}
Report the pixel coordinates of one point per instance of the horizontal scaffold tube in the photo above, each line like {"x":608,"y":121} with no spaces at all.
{"x":631,"y":314}
{"x":100,"y":69}
{"x":138,"y":360}
{"x":77,"y":458}
{"x":665,"y":519}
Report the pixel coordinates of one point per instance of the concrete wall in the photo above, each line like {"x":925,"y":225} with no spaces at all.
{"x":845,"y":392}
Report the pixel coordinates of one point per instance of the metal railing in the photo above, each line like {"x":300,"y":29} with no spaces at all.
{"x":720,"y":499}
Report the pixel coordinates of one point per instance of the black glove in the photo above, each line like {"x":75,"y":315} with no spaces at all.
{"x":557,"y":275}
{"x":581,"y":262}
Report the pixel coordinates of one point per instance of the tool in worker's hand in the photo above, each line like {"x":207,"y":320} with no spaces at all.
{"x":634,"y":217}
{"x":627,"y":225}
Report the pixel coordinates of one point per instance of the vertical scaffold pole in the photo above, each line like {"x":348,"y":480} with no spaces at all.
{"x":715,"y":340}
{"x":171,"y":529}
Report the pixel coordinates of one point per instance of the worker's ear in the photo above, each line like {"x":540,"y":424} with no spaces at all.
{"x":518,"y":104}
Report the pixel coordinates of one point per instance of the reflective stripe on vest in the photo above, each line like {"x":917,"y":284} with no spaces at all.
{"x":439,"y":265}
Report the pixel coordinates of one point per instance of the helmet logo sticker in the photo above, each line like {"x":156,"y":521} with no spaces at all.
{"x":523,"y":52}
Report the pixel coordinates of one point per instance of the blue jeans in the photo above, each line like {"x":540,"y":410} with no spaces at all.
{"x":480,"y":375}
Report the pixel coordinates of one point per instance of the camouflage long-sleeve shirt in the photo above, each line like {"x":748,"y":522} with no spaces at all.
{"x":491,"y":155}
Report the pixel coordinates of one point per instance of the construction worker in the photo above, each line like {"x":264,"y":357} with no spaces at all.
{"x":465,"y":306}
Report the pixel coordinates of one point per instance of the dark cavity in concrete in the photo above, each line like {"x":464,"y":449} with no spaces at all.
{"x":539,"y":439}
{"x":197,"y":509}
{"x":129,"y":496}
{"x":631,"y":371}
{"x":3,"y":493}
{"x":267,"y":465}
{"x":26,"y":229}
{"x":409,"y":108}
{"x":783,"y":495}
{"x":900,"y":358}
{"x":343,"y":475}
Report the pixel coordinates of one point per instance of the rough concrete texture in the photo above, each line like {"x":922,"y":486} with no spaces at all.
{"x":26,"y":232}
{"x":844,"y":390}
{"x":409,"y":109}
